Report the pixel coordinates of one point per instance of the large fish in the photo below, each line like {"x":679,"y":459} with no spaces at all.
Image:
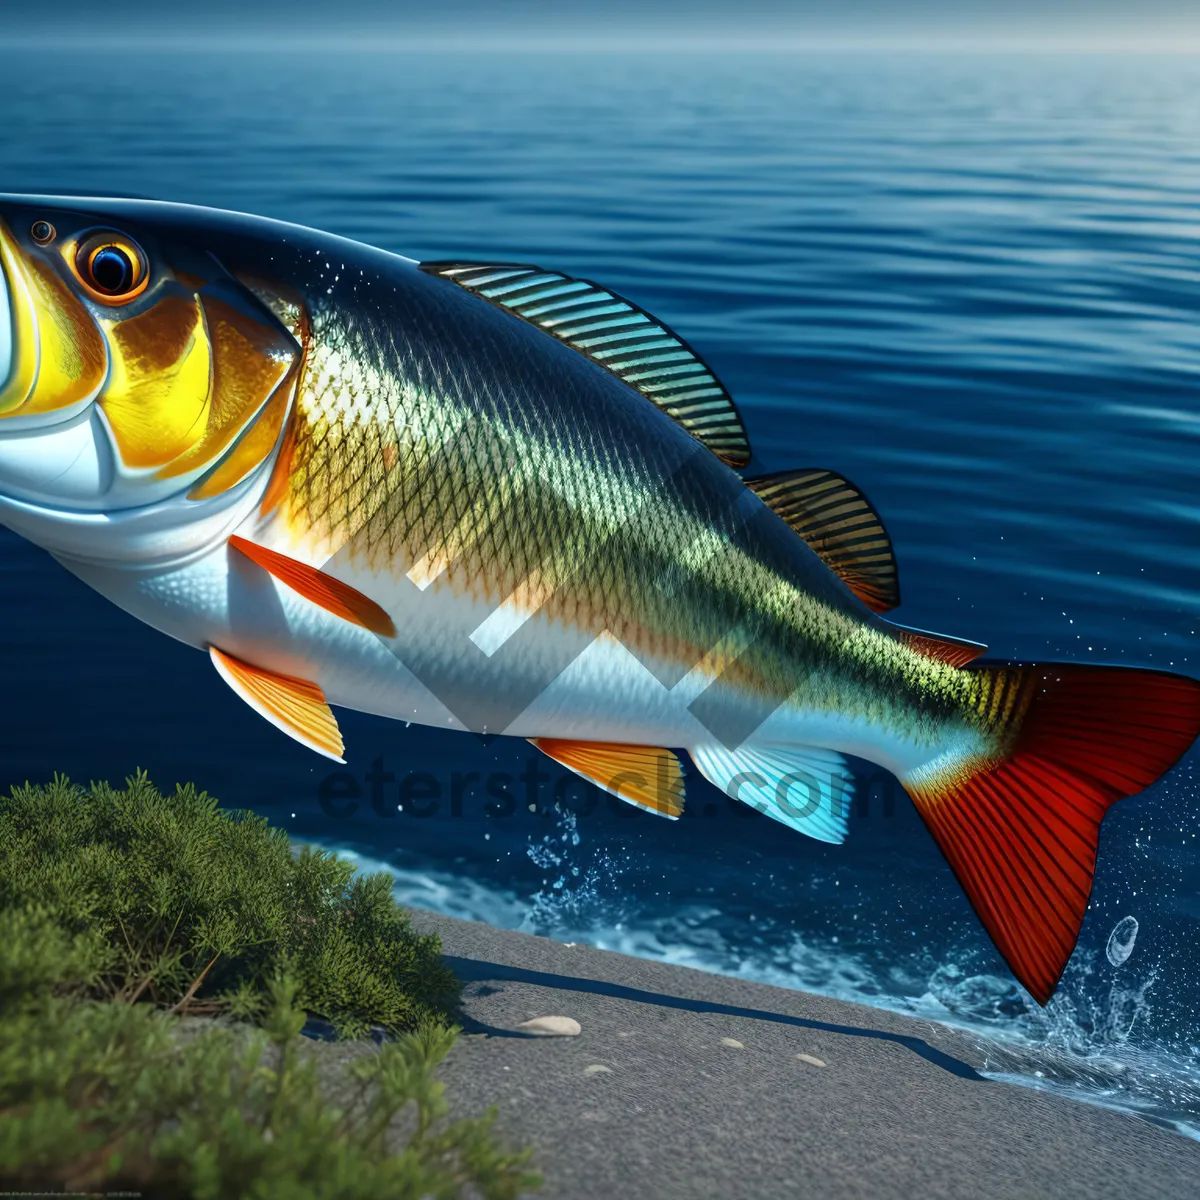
{"x":498,"y":498}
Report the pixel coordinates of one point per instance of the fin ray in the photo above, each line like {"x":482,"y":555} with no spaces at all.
{"x":805,"y":788}
{"x":663,"y":367}
{"x":295,"y":706}
{"x":958,"y":652}
{"x":841,"y":525}
{"x":323,"y":590}
{"x":648,"y":777}
{"x":1021,"y":830}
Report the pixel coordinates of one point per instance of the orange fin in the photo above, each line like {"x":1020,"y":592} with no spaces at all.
{"x":323,"y":590}
{"x":955,"y":651}
{"x":1021,"y":830}
{"x":840,"y":525}
{"x":293,"y":705}
{"x":646,"y":776}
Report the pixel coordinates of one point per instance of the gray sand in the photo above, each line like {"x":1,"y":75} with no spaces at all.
{"x":897,"y":1110}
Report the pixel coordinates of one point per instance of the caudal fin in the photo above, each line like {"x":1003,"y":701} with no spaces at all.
{"x":1021,"y":830}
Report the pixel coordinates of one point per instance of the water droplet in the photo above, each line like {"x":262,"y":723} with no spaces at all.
{"x":1121,"y":940}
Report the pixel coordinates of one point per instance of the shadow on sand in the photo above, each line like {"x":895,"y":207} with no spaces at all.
{"x":471,"y":970}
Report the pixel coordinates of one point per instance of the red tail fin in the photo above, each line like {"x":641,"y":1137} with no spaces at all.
{"x":1021,"y":832}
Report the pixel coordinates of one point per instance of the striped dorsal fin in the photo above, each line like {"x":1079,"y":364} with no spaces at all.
{"x":841,"y":526}
{"x":619,"y":336}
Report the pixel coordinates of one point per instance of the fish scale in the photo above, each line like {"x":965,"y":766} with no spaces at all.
{"x":340,"y":489}
{"x":494,"y":497}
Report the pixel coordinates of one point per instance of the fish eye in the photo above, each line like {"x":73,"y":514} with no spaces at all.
{"x":42,"y":232}
{"x":111,"y":266}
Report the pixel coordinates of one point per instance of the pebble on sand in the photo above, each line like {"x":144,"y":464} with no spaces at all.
{"x":597,"y":1069}
{"x":732,"y":1042}
{"x":551,"y":1027}
{"x":811,"y":1059}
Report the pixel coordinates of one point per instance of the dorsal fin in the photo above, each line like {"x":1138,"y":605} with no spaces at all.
{"x":619,"y":336}
{"x":955,"y":651}
{"x":841,"y":525}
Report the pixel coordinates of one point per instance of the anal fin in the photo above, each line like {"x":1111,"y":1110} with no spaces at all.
{"x":803,"y":787}
{"x":295,"y":706}
{"x":648,"y":777}
{"x":325,"y":591}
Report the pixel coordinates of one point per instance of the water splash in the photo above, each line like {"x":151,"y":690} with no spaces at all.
{"x":1094,"y":1042}
{"x":1121,"y":940}
{"x":576,"y":893}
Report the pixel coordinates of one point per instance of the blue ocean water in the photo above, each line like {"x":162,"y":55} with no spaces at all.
{"x":968,"y":283}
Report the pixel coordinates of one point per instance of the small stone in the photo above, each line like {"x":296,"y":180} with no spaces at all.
{"x":597,"y":1069}
{"x":551,"y":1027}
{"x":811,"y":1059}
{"x":732,"y":1042}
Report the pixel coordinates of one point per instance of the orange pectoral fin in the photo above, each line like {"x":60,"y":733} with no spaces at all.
{"x":294,"y":705}
{"x":323,"y":590}
{"x":646,"y":776}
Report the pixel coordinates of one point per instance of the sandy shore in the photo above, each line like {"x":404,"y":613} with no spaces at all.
{"x":897,"y":1109}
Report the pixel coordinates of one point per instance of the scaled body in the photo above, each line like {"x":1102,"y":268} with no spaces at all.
{"x":500,"y":499}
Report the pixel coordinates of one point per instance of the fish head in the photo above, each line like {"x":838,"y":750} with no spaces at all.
{"x":139,"y":369}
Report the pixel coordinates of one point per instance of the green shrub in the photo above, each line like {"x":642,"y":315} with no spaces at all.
{"x":197,"y":909}
{"x":119,"y":911}
{"x":106,"y":1095}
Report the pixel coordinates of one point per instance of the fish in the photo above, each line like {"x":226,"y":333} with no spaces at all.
{"x":492,"y":497}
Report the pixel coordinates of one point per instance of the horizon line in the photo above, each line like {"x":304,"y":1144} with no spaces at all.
{"x":392,"y":38}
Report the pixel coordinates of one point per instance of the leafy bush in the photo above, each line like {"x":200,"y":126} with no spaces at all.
{"x":198,"y":909}
{"x":115,"y":905}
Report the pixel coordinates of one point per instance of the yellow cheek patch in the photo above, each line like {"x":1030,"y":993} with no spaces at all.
{"x":249,"y":360}
{"x":58,"y":353}
{"x":191,"y":376}
{"x":252,"y":450}
{"x":72,"y":362}
{"x":23,"y":373}
{"x":158,"y":395}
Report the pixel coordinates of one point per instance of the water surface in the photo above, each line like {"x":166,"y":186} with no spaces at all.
{"x":969,"y":284}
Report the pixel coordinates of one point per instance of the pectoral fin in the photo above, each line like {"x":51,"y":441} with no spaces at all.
{"x":323,"y":590}
{"x":646,"y":776}
{"x":294,"y":705}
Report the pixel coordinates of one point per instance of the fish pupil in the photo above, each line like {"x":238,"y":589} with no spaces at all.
{"x":112,"y":270}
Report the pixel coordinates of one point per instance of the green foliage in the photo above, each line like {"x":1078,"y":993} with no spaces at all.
{"x":101,"y":1095}
{"x":110,"y":897}
{"x":176,"y":901}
